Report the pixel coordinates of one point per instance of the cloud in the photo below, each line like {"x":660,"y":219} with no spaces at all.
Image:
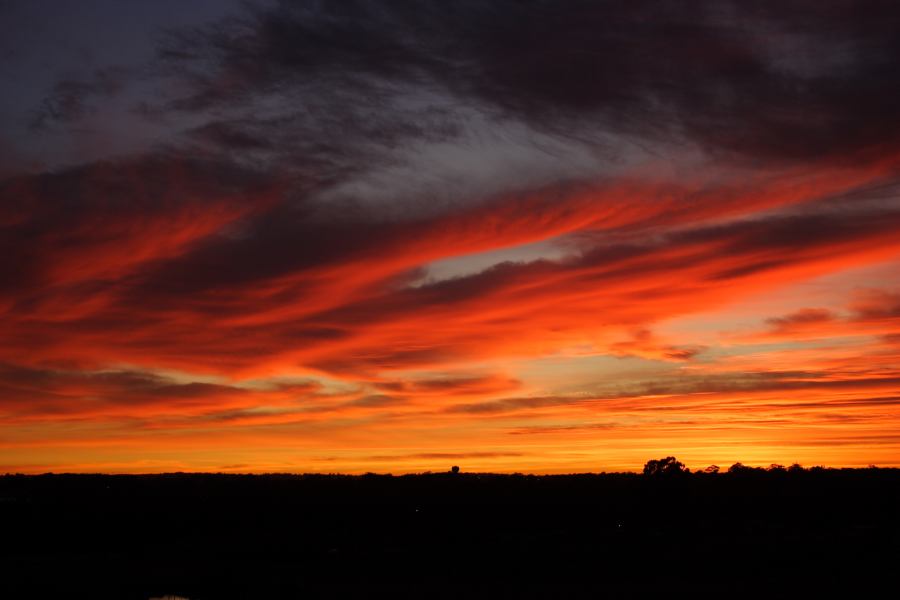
{"x":767,"y":83}
{"x":70,"y":100}
{"x":277,"y":290}
{"x":32,"y":391}
{"x":593,"y":171}
{"x":31,"y":394}
{"x":455,"y":386}
{"x":103,"y":220}
{"x":806,"y":318}
{"x":875,"y":304}
{"x":644,"y":344}
{"x":704,"y":393}
{"x":868,"y":312}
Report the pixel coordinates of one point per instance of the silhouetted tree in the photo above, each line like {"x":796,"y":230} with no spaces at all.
{"x":454,"y":469}
{"x":740,"y":469}
{"x":711,"y":469}
{"x":667,"y":466}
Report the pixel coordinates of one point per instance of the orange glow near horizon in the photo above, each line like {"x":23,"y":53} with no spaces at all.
{"x":753,"y":321}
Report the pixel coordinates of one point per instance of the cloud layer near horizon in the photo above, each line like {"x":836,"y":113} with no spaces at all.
{"x":528,"y":235}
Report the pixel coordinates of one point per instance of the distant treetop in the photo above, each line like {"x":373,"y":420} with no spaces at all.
{"x":667,"y":466}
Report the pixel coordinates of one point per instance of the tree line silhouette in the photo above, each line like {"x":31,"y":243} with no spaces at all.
{"x":305,"y":536}
{"x":672,"y":467}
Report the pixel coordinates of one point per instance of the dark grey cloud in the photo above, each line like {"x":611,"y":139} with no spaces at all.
{"x":39,"y":391}
{"x":334,"y":103}
{"x":336,"y":91}
{"x":655,"y":395}
{"x":457,"y":386}
{"x":72,"y":99}
{"x":806,"y":316}
{"x":878,"y":304}
{"x":359,"y":101}
{"x":762,"y":81}
{"x":758,"y":245}
{"x":48,"y":218}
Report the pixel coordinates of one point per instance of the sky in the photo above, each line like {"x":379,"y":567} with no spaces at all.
{"x":514,"y":236}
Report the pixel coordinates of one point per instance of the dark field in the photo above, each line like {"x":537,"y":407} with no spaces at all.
{"x":449,"y":536}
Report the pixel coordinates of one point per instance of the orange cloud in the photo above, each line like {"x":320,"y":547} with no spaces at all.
{"x":240,"y":285}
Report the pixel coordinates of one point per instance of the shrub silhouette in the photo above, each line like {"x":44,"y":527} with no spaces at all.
{"x":664,"y":467}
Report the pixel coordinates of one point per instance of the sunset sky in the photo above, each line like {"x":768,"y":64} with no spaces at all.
{"x":397,"y":236}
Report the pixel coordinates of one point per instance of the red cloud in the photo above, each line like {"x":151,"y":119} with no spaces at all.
{"x":238,"y":284}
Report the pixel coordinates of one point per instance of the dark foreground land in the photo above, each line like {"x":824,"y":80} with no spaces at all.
{"x":449,"y":536}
